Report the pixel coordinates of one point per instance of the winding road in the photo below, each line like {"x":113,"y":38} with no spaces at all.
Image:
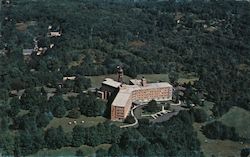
{"x":136,"y":120}
{"x":133,"y":115}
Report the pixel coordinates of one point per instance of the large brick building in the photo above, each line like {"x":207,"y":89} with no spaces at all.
{"x":137,"y":90}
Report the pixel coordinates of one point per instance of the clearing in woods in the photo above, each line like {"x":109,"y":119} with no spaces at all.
{"x":64,"y":122}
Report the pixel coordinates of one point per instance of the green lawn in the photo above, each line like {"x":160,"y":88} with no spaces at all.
{"x":138,"y":112}
{"x":97,"y":80}
{"x":184,"y":78}
{"x":64,"y":122}
{"x":71,"y":151}
{"x":69,"y":94}
{"x":154,"y":77}
{"x":78,"y":62}
{"x":238,"y":118}
{"x":187,"y":80}
{"x":164,"y":78}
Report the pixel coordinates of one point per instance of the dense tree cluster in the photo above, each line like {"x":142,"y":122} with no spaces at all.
{"x":130,"y":119}
{"x":217,"y":130}
{"x":88,"y":105}
{"x":152,"y":107}
{"x":200,"y":115}
{"x":160,"y":139}
{"x":245,"y":152}
{"x":56,"y":138}
{"x":94,"y":136}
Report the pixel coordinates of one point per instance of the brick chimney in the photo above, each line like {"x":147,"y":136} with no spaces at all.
{"x":143,"y":81}
{"x":119,"y":74}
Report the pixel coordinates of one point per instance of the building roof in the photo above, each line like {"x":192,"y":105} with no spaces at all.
{"x":55,"y":34}
{"x":112,"y":83}
{"x":180,"y":88}
{"x":121,"y":99}
{"x":27,"y":52}
{"x":156,"y":85}
{"x":125,"y":91}
{"x":135,"y":81}
{"x":69,"y":78}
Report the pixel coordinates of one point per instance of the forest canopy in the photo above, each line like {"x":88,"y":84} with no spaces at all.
{"x":210,"y":39}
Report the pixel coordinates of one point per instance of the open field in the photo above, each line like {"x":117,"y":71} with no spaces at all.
{"x":69,"y":94}
{"x":78,"y":62}
{"x":219,"y":148}
{"x":187,"y":80}
{"x":21,"y":26}
{"x":88,"y":122}
{"x":24,"y":26}
{"x":154,"y":77}
{"x":235,"y":117}
{"x":97,"y":80}
{"x":71,"y":151}
{"x":238,"y":118}
{"x":138,"y":112}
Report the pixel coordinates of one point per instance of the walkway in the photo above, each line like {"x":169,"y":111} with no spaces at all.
{"x":158,"y":119}
{"x":133,"y":115}
{"x":179,"y":103}
{"x":176,"y":109}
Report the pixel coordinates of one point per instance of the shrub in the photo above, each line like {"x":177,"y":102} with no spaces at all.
{"x":129,"y":119}
{"x":74,"y":113}
{"x":200,"y":115}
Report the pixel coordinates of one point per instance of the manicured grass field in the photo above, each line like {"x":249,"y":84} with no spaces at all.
{"x":65,"y":151}
{"x":71,"y":151}
{"x":78,"y":62}
{"x":238,"y":118}
{"x":154,"y":77}
{"x":187,"y":80}
{"x":64,"y":122}
{"x":69,"y":94}
{"x":138,"y":112}
{"x":97,"y":80}
{"x":219,"y":148}
{"x":235,"y":117}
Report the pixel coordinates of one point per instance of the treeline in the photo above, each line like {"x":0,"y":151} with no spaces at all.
{"x":216,"y":130}
{"x":169,"y":139}
{"x":29,"y":141}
